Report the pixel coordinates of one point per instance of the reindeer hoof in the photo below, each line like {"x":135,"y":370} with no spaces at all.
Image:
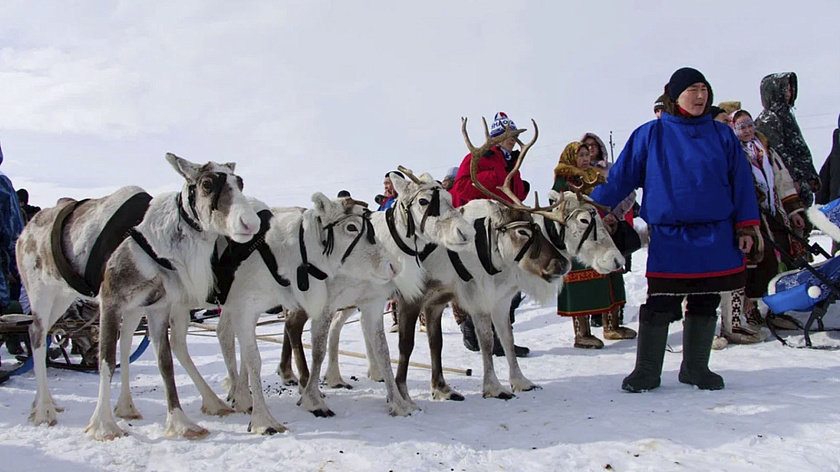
{"x":456,"y":397}
{"x":323,"y":413}
{"x":199,"y":433}
{"x":344,"y":385}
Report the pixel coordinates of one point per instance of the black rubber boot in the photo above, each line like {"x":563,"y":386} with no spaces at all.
{"x":468,"y":331}
{"x":650,"y":352}
{"x":499,"y":351}
{"x":698,"y":335}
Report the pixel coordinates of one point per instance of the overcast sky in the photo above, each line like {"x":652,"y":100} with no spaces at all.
{"x":327,"y":95}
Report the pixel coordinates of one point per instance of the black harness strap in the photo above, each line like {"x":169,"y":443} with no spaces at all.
{"x":129,"y":215}
{"x":535,"y":253}
{"x":306,"y":269}
{"x":64,"y":268}
{"x":589,"y":230}
{"x":192,"y":223}
{"x":459,"y":267}
{"x":557,"y":238}
{"x":147,"y":248}
{"x":392,"y":228}
{"x":483,"y":245}
{"x":367,"y":228}
{"x":116,"y":229}
{"x":226,"y":265}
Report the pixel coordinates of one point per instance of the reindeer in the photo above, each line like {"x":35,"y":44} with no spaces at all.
{"x":160,"y":271}
{"x":424,"y":212}
{"x":496,"y":272}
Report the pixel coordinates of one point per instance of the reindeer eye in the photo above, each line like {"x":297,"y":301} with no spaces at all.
{"x":352,"y":228}
{"x":207,"y":185}
{"x":522,"y":232}
{"x":423,"y":201}
{"x":584,"y":221}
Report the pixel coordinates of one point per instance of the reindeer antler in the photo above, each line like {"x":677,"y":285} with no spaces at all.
{"x":409,"y":174}
{"x":489,"y":142}
{"x":586,"y":184}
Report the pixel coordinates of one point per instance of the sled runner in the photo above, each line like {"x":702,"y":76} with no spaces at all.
{"x":808,"y":287}
{"x":72,"y":341}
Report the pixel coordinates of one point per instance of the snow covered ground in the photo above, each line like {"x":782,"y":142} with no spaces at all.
{"x":779,"y":411}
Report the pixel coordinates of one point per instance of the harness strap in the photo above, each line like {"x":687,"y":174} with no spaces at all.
{"x":116,"y":229}
{"x":587,"y":232}
{"x":306,"y":269}
{"x":225,"y":266}
{"x":459,"y":267}
{"x":483,"y":245}
{"x":530,"y":242}
{"x":67,"y":272}
{"x":557,"y":238}
{"x":392,"y":228}
{"x":192,"y":223}
{"x":129,"y":215}
{"x":147,"y":248}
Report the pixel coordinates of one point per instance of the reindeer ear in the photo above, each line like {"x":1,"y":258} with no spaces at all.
{"x":400,"y":184}
{"x":322,"y":202}
{"x":554,"y":196}
{"x":230,"y":165}
{"x":184,"y":167}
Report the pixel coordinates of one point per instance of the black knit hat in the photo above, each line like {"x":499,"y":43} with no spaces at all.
{"x":683,"y":79}
{"x":715,"y":111}
{"x":659,"y":104}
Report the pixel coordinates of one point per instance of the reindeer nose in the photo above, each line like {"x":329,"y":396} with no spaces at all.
{"x":249,"y":228}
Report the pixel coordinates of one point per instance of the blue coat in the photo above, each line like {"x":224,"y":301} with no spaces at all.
{"x":698,"y":190}
{"x":11,"y":224}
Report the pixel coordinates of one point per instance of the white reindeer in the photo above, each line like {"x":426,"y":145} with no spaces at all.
{"x":354,"y":258}
{"x":162,"y":269}
{"x":424,"y":211}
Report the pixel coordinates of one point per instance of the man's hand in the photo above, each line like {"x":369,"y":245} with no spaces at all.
{"x":745,"y":243}
{"x":797,"y":221}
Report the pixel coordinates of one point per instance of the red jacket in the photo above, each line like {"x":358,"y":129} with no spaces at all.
{"x":491,"y":173}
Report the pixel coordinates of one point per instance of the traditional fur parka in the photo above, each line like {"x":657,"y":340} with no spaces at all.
{"x":779,"y":125}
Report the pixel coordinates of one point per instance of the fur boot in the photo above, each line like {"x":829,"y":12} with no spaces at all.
{"x":697,"y":347}
{"x":650,"y":351}
{"x":583,"y":336}
{"x":612,"y":328}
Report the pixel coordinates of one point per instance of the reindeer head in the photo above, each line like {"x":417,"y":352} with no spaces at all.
{"x":212,"y":200}
{"x":514,"y":239}
{"x":427,"y":212}
{"x":583,"y":234}
{"x":349,"y":242}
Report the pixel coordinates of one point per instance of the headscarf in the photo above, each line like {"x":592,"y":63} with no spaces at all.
{"x":568,"y":167}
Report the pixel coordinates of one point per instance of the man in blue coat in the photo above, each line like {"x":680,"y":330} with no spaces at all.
{"x":699,"y":203}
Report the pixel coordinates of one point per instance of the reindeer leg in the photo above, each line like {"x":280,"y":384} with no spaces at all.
{"x":292,"y":335}
{"x":227,"y":342}
{"x":501,"y":320}
{"x":407,"y":314}
{"x":179,"y":321}
{"x":125,"y":404}
{"x":262,"y":422}
{"x":311,"y":399}
{"x":103,"y":426}
{"x":245,"y":327}
{"x":440,"y":389}
{"x":46,"y":310}
{"x":491,"y":387}
{"x":177,"y":422}
{"x":374,"y":331}
{"x":333,"y":376}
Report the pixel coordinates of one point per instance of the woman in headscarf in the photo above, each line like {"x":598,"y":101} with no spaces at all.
{"x":585,"y":292}
{"x":781,"y":211}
